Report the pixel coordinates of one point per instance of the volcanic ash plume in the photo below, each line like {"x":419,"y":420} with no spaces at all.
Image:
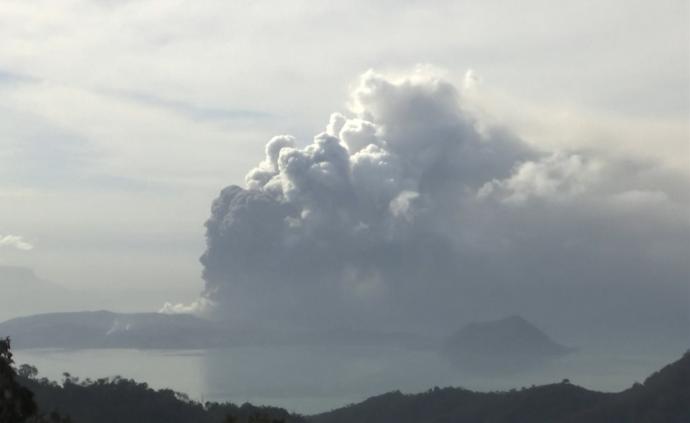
{"x":407,"y":210}
{"x":357,"y":219}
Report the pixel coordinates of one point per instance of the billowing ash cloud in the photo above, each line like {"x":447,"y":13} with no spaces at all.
{"x":340,"y":223}
{"x":405,"y":210}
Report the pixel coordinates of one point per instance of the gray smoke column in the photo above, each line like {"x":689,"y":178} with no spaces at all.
{"x":348,"y":226}
{"x":407,"y":213}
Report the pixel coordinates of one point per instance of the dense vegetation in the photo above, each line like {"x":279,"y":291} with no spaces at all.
{"x":539,"y":404}
{"x":117,"y":400}
{"x":663,"y":398}
{"x":17,"y":404}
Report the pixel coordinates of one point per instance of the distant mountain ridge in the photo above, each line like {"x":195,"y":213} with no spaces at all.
{"x":22,"y":281}
{"x":106,"y":329}
{"x":22,"y":291}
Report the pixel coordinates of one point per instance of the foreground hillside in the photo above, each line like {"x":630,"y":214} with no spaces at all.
{"x":119,"y":400}
{"x":663,"y":398}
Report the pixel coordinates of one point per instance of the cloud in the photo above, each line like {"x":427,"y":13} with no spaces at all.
{"x":15,"y":241}
{"x":193,"y":111}
{"x":410,"y":211}
{"x":201,"y":306}
{"x":558,"y":176}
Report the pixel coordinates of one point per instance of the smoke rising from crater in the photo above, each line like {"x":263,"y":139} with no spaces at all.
{"x":406,"y":209}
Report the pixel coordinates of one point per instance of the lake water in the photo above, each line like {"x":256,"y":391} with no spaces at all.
{"x":314,"y":379}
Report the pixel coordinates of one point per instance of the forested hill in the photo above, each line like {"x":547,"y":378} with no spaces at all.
{"x":118,"y":400}
{"x":663,"y":398}
{"x":540,"y":404}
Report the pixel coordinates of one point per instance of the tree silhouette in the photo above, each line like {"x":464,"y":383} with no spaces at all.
{"x":27,"y":371}
{"x":16,"y":402}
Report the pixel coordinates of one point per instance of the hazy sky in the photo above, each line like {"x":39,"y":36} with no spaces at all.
{"x":121,"y":121}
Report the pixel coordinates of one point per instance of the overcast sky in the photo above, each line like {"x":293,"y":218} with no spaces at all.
{"x":120,"y":121}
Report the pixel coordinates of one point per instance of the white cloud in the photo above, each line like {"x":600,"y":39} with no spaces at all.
{"x":201,"y":306}
{"x":15,"y":241}
{"x":555,"y":177}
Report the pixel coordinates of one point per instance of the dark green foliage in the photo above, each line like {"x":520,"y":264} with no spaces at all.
{"x":16,"y":402}
{"x":119,"y":400}
{"x":540,"y":404}
{"x":663,"y":398}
